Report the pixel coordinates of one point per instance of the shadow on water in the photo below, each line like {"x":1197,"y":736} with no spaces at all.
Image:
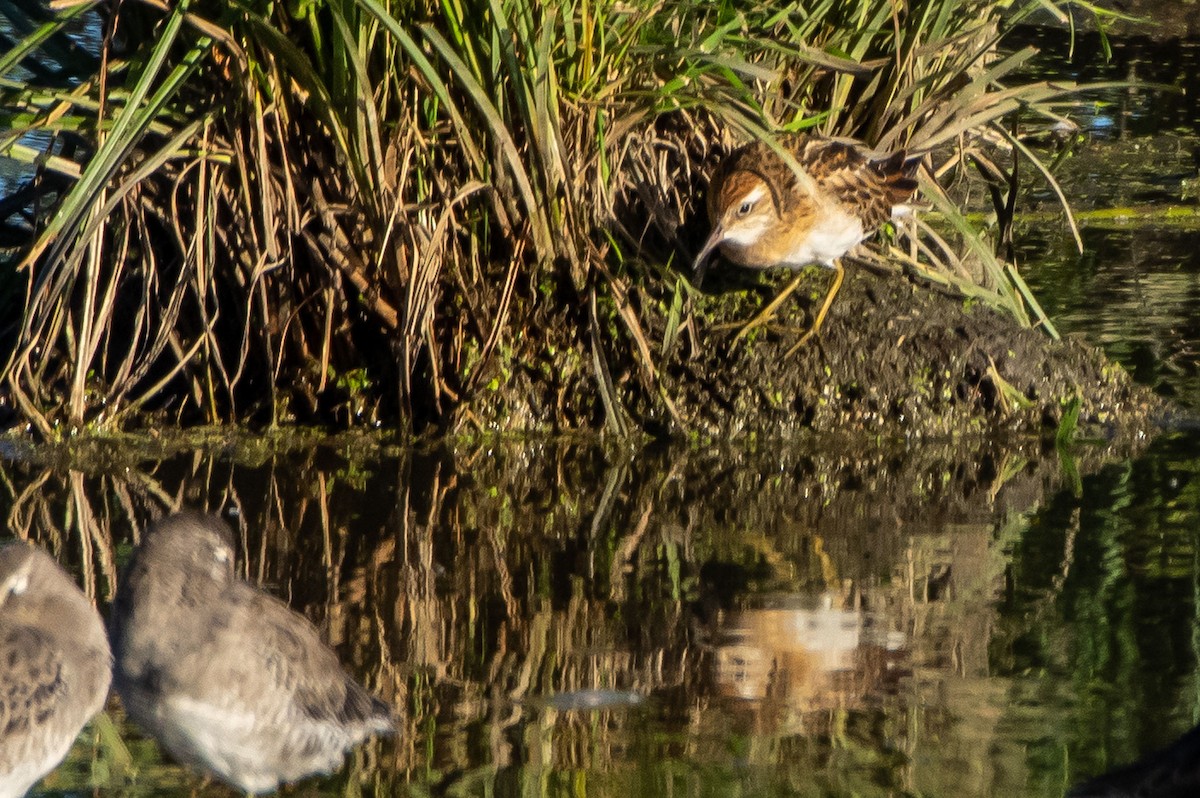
{"x":545,"y":616}
{"x":1173,"y":772}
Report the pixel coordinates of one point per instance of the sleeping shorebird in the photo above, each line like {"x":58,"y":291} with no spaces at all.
{"x":765,"y":214}
{"x":227,"y":678}
{"x":55,"y":665}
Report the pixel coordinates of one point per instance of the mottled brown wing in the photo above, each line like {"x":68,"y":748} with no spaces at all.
{"x":897,"y":173}
{"x":871,"y":188}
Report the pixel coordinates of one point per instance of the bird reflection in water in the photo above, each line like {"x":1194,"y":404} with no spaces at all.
{"x":228,"y":679}
{"x":808,"y":652}
{"x":55,"y":665}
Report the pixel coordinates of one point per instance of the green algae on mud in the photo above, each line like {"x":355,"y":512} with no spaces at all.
{"x":105,"y":452}
{"x":897,"y":357}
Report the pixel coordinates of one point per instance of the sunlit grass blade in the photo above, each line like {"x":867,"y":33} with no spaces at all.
{"x":130,"y":122}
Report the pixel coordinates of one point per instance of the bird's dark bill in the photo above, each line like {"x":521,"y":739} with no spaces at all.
{"x":700,"y":265}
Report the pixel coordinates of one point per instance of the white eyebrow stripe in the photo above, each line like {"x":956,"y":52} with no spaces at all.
{"x":755,"y":194}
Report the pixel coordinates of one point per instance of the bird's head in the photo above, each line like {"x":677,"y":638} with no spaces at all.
{"x":742,"y":210}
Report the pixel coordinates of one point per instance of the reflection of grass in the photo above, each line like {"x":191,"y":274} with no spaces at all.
{"x":1103,"y":596}
{"x":463,"y":583}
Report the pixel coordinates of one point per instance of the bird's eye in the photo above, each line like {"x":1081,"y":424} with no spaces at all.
{"x":745,"y":208}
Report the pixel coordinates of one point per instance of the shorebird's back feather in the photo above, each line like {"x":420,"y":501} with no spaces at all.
{"x":868,"y":188}
{"x":55,"y":665}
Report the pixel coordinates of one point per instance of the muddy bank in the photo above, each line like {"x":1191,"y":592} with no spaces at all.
{"x":901,"y":358}
{"x":897,"y":357}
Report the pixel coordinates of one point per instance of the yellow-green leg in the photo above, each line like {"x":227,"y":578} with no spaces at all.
{"x":767,"y":313}
{"x":816,"y":325}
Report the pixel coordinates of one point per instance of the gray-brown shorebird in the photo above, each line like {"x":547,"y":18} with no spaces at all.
{"x":765,"y":214}
{"x":226,"y":677}
{"x":55,"y":665}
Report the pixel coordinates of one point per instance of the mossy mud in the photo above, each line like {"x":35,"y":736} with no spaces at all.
{"x":897,"y":357}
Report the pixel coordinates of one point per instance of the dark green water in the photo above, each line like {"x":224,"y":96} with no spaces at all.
{"x":554,"y":619}
{"x":1161,"y":63}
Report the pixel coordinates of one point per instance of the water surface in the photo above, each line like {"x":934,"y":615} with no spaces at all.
{"x":556,"y":618}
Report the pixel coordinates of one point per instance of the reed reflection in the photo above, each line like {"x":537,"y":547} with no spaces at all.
{"x":55,"y":665}
{"x":226,"y":678}
{"x":543,"y":612}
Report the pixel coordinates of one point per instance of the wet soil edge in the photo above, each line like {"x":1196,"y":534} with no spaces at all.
{"x":897,"y":358}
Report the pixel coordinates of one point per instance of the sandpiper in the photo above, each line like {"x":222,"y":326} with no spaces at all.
{"x":55,"y":665}
{"x":226,"y":677}
{"x":766,"y":214}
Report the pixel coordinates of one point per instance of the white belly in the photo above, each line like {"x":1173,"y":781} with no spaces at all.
{"x":831,"y":237}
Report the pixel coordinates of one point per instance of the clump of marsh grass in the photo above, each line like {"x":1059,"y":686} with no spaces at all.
{"x":371,"y":211}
